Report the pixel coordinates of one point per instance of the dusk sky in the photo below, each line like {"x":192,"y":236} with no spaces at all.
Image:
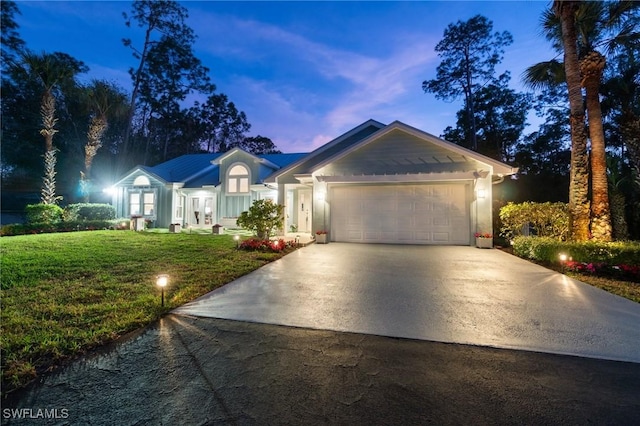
{"x":303,"y":72}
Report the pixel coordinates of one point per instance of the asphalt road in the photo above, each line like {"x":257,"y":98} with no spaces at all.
{"x":203,"y":371}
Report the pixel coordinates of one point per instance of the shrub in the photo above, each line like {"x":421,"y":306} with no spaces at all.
{"x":262,"y":218}
{"x":618,"y":259}
{"x":258,"y":244}
{"x":546,"y":219}
{"x":87,"y":211}
{"x":43,"y":213}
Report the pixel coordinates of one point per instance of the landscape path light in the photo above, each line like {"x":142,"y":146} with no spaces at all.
{"x":237,"y":238}
{"x":563,"y":260}
{"x":162,"y":281}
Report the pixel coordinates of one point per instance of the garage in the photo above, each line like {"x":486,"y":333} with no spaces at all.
{"x":400,"y":214}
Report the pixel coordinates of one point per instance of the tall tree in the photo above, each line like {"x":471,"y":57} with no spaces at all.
{"x":162,"y":20}
{"x":222,"y":125}
{"x":469,"y":53}
{"x":500,"y":114}
{"x":11,"y":43}
{"x":579,"y":207}
{"x":170,"y":74}
{"x":51,"y":71}
{"x":103,"y":100}
{"x":259,"y":145}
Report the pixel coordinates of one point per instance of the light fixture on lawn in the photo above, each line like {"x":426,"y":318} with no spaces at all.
{"x":162,"y":281}
{"x":563,"y":260}
{"x":237,"y":238}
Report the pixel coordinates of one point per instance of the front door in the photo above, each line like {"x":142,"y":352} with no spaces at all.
{"x":304,"y":210}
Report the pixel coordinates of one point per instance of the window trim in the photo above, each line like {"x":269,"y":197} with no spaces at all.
{"x":236,"y":181}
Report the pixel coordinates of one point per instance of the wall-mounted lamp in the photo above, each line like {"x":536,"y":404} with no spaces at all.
{"x":482,"y":193}
{"x":162,"y":281}
{"x":320,"y":196}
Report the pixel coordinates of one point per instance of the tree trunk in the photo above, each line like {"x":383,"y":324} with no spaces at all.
{"x":579,"y":175}
{"x":591,"y":67}
{"x":97,"y":127}
{"x":48,"y":111}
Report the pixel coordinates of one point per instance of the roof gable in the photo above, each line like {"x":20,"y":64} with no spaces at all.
{"x":399,"y":148}
{"x":342,"y":142}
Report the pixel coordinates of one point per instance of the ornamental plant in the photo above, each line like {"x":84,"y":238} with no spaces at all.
{"x":321,"y":232}
{"x":263,"y":217}
{"x":483,"y":235}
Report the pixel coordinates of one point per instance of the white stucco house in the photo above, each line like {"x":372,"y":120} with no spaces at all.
{"x":376,"y":183}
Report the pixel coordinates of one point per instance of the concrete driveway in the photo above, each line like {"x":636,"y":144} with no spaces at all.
{"x":445,"y":294}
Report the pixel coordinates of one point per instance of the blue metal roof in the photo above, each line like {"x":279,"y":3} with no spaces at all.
{"x":197,"y":170}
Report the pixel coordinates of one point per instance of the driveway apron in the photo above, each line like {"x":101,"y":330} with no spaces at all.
{"x":437,"y":293}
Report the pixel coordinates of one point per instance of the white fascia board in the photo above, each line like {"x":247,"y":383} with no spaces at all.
{"x":143,"y":170}
{"x":174,"y":185}
{"x":499,"y":168}
{"x":273,"y":178}
{"x":420,"y":177}
{"x":304,"y":178}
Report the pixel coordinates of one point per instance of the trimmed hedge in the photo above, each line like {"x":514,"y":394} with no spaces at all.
{"x":89,"y":211}
{"x":45,"y":228}
{"x":599,"y":255}
{"x":43,"y":213}
{"x":546,"y":249}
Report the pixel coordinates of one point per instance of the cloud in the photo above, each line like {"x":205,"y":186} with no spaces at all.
{"x":319,"y":87}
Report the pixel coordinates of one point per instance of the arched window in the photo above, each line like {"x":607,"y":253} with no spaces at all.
{"x":141,"y":181}
{"x":238,"y":180}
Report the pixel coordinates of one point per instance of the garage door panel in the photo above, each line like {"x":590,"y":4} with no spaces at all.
{"x":408,"y":214}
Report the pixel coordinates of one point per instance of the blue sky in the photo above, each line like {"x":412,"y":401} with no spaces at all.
{"x":303,"y":72}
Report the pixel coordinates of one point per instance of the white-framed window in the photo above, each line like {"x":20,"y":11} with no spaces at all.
{"x":179,"y":206}
{"x":238,"y":179}
{"x":142,"y":203}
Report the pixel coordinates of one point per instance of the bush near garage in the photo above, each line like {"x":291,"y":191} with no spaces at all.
{"x":620,"y":259}
{"x":542,"y":219}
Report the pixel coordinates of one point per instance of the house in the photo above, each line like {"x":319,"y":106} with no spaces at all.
{"x":376,"y":183}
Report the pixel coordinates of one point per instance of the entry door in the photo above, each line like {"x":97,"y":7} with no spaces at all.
{"x":195,"y":218}
{"x":304,"y":210}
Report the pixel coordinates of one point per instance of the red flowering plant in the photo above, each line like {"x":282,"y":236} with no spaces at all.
{"x":483,"y":235}
{"x":321,"y":232}
{"x":257,"y":244}
{"x":624,"y":272}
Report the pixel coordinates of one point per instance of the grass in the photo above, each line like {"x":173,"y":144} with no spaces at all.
{"x":63,"y":294}
{"x":626,"y":289}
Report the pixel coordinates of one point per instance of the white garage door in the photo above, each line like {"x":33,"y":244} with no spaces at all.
{"x":400,"y":214}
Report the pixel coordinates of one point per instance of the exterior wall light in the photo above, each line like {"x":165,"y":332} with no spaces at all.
{"x":162,"y":281}
{"x":482,"y":193}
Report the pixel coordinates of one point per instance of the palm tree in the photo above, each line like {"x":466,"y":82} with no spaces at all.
{"x":579,"y":174}
{"x":103,"y":101}
{"x":595,"y":23}
{"x":592,"y":67}
{"x":51,"y":71}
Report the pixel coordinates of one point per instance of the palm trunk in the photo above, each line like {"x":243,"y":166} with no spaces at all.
{"x":97,"y":128}
{"x":592,"y":66}
{"x":47,"y":111}
{"x":579,"y":175}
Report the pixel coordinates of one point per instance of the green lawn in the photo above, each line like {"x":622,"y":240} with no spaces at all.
{"x":65,"y":293}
